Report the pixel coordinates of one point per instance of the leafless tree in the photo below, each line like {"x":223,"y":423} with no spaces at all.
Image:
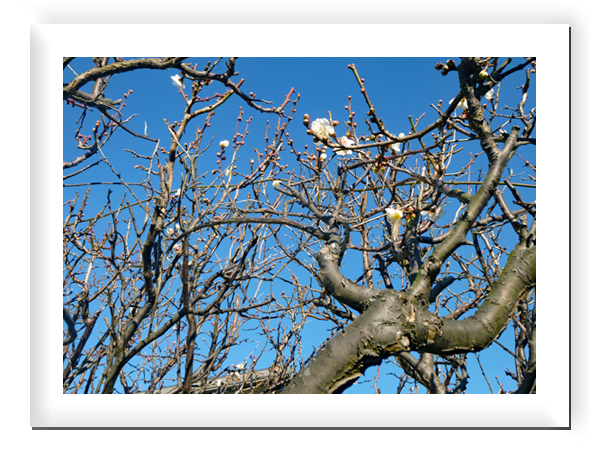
{"x":164,"y":285}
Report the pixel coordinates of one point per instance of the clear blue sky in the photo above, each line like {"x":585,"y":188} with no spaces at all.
{"x":398,"y":87}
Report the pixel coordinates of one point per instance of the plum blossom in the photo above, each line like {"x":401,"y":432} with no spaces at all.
{"x":346,"y":142}
{"x":434,"y":214}
{"x":177,"y":81}
{"x":393,"y":214}
{"x":224,"y":144}
{"x":396,"y":147}
{"x":322,"y":129}
{"x":489,"y":94}
{"x":323,"y":156}
{"x":462,"y":104}
{"x":276,"y":183}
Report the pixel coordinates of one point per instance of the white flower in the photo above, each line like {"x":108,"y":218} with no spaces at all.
{"x":240,"y":366}
{"x":276,"y":183}
{"x":177,"y":226}
{"x":322,"y":129}
{"x":347,"y":142}
{"x":462,"y":104}
{"x":227,"y":173}
{"x":393,"y":215}
{"x":178,"y":249}
{"x":177,"y":81}
{"x":251,"y":161}
{"x":219,"y":382}
{"x":396,"y":147}
{"x":170,"y":232}
{"x":224,"y":144}
{"x":323,"y":156}
{"x":489,"y":94}
{"x":435,"y":214}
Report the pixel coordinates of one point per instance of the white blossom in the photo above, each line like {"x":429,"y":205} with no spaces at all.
{"x":224,"y":144}
{"x":462,"y":104}
{"x":346,"y":142}
{"x":170,"y":232}
{"x":489,"y":94}
{"x":227,"y":173}
{"x":322,"y":129}
{"x":393,"y":214}
{"x":435,"y":214}
{"x":177,"y":81}
{"x":177,"y":226}
{"x":276,"y":183}
{"x":323,"y":156}
{"x":396,"y":147}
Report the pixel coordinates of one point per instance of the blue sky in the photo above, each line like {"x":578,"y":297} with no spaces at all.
{"x":398,"y":87}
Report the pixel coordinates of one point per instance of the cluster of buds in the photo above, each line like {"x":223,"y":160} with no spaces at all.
{"x":445,"y":68}
{"x":380,"y":162}
{"x":410,"y":214}
{"x":83,"y":140}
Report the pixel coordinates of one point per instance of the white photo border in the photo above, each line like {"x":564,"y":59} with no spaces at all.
{"x":549,"y":408}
